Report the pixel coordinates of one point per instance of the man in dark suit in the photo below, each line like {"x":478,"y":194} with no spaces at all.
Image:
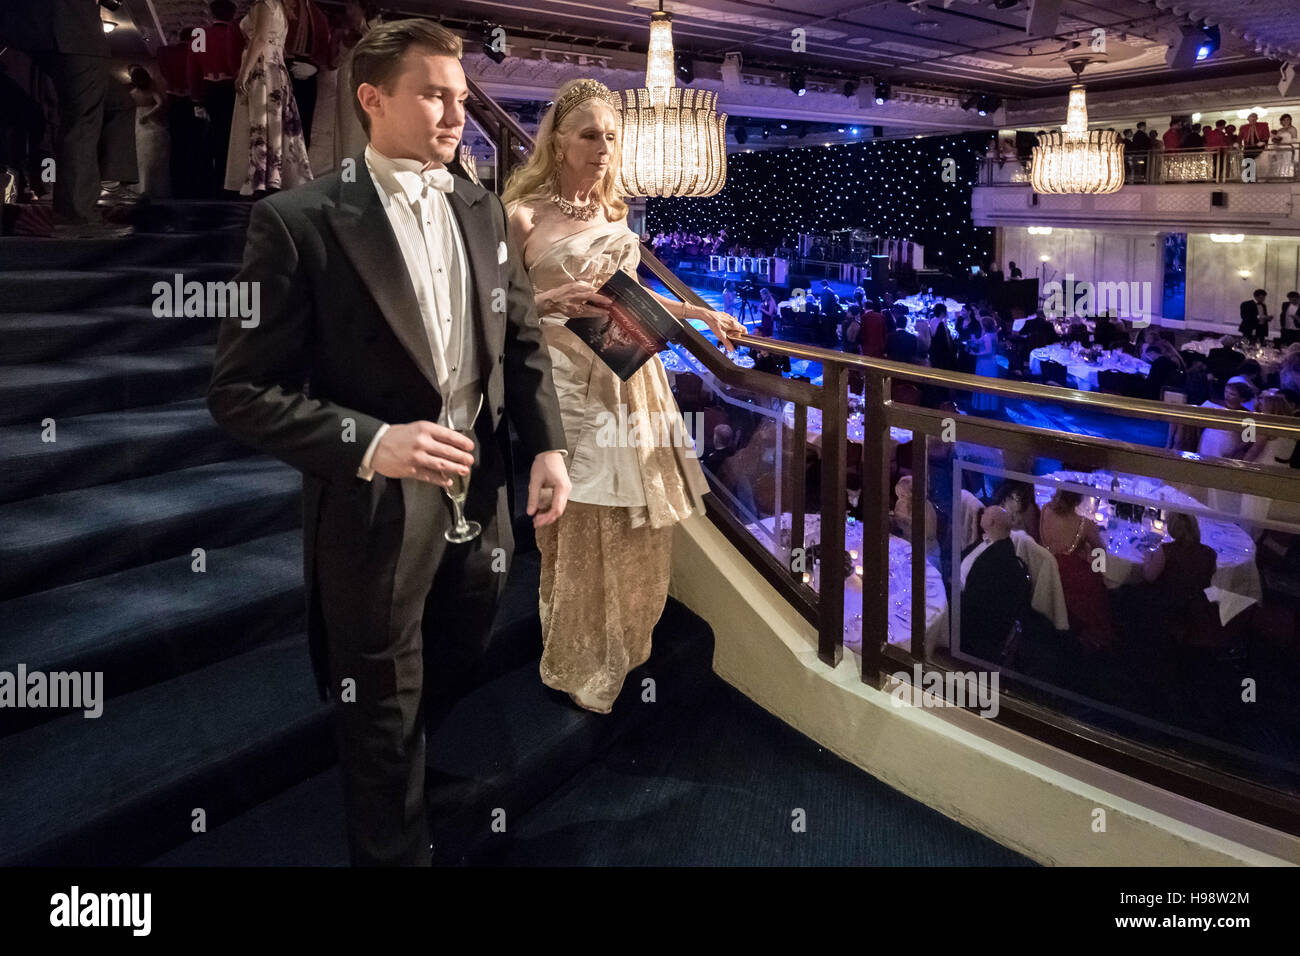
{"x":96,"y":116}
{"x":996,"y":592}
{"x":344,"y":374}
{"x":832,"y":313}
{"x":1254,"y":317}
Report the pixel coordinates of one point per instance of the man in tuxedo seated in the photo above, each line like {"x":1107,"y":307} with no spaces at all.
{"x":1039,"y":332}
{"x":1224,"y":360}
{"x":1254,"y":317}
{"x":722,"y":449}
{"x":996,"y":594}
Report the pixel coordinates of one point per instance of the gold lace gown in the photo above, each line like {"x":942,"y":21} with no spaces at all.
{"x":606,"y":562}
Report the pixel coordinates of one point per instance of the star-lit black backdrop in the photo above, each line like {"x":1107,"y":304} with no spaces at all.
{"x":892,"y":187}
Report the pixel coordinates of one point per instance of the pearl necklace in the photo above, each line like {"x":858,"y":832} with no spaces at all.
{"x":582,"y":213}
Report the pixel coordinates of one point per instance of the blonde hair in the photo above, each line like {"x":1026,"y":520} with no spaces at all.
{"x":534,"y":178}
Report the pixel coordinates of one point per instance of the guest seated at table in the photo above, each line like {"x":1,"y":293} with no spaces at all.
{"x":765,"y":361}
{"x":1038,"y":332}
{"x":875,"y":329}
{"x":1072,"y":538}
{"x":851,"y":330}
{"x":1167,"y":367}
{"x":1224,"y":360}
{"x":723,"y":448}
{"x":1222,"y":442}
{"x":904,"y":509}
{"x":1078,"y":332}
{"x":1108,"y":334}
{"x":996,"y":594}
{"x":1271,"y":450}
{"x":1017,"y":498}
{"x":1179,"y":572}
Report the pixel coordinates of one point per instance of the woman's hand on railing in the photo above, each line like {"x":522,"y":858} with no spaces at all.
{"x":573,"y":299}
{"x":723,"y":326}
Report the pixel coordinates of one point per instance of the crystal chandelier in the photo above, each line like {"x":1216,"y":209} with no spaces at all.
{"x":674,"y":142}
{"x":1076,"y":159}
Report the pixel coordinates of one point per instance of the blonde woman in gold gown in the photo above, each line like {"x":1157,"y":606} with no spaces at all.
{"x":606,"y":561}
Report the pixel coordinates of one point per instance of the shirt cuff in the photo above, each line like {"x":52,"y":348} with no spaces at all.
{"x":365,"y":472}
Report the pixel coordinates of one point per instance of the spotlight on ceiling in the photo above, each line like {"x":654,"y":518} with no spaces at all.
{"x":883,"y":92}
{"x":785,"y":126}
{"x":1209,"y":45}
{"x":988,"y":103}
{"x":850,"y":87}
{"x":490,"y":47}
{"x":854,"y":130}
{"x":685,"y":69}
{"x":742,"y":135}
{"x":766,"y":132}
{"x":797,"y":85}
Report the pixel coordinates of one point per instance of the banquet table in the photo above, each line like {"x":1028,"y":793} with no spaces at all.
{"x":1081,"y":372}
{"x":900,"y":583}
{"x":1236,"y":583}
{"x":1267,"y":357}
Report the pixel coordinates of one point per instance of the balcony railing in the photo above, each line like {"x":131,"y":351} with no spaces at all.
{"x":1165,"y":711}
{"x":1274,"y":164}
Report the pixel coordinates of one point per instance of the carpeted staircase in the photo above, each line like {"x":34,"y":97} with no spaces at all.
{"x":211,"y":713}
{"x":210,"y":702}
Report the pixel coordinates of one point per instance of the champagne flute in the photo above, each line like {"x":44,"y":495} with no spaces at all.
{"x":463,"y":530}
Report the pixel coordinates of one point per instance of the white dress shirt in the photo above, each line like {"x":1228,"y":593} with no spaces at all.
{"x":413,"y":195}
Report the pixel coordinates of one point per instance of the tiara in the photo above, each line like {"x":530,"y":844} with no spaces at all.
{"x":582,"y":91}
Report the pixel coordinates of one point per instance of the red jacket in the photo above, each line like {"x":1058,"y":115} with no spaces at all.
{"x":873,"y":334}
{"x":1253,"y":135}
{"x":223,"y":48}
{"x":1215,"y":138}
{"x":1173,"y":138}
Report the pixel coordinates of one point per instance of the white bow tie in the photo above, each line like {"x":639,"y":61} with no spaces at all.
{"x":418,"y":184}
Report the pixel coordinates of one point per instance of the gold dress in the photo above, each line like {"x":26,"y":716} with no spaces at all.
{"x":606,"y":561}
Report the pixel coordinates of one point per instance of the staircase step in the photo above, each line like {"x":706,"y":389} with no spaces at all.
{"x":107,"y":447}
{"x":222,"y":244}
{"x":74,"y":535}
{"x":122,"y":788}
{"x":303,"y":826}
{"x":55,"y":290}
{"x":156,"y":621}
{"x":58,"y":336}
{"x":513,"y":741}
{"x":101,"y":383}
{"x":183,"y":215}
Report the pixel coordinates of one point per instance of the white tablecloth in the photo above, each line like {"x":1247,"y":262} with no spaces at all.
{"x":1084,"y":374}
{"x":1236,"y":572}
{"x":900,"y":584}
{"x":1268,"y":358}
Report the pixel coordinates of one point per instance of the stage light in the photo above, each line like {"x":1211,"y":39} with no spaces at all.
{"x":840,"y":130}
{"x":883,"y":92}
{"x":797,"y":85}
{"x":850,"y":87}
{"x":854,"y":130}
{"x":109,"y":25}
{"x":489,"y":42}
{"x":766,"y":132}
{"x":987,"y":103}
{"x":784,"y":126}
{"x":1210,"y":44}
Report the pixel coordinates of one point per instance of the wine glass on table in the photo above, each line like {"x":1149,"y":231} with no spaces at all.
{"x":463,"y":530}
